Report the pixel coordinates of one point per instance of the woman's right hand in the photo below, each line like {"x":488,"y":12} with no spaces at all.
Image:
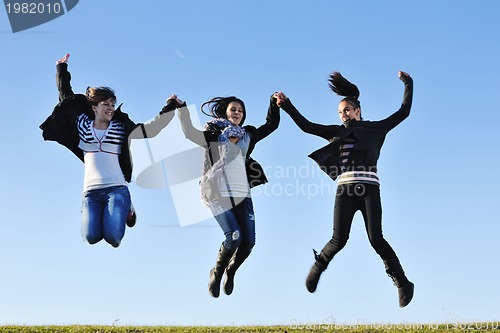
{"x":403,"y":75}
{"x":63,"y":60}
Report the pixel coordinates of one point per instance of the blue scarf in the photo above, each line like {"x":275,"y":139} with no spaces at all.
{"x":227,"y":129}
{"x":215,"y":171}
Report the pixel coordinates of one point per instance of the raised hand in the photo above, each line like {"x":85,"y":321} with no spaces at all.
{"x":280,"y":98}
{"x":63,"y":60}
{"x":402,"y":75}
{"x":174,"y":98}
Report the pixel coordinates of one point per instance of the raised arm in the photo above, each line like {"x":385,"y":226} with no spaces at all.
{"x":190,"y":132}
{"x":154,"y":127}
{"x":63,"y":78}
{"x":272,"y":121}
{"x":325,"y":131}
{"x":404,"y":111}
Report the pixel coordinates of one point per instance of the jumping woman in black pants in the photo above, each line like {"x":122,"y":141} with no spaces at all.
{"x":351,"y":156}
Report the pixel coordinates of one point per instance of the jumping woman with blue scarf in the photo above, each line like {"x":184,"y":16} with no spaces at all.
{"x":228,"y":175}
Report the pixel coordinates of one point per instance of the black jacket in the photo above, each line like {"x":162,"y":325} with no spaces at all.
{"x":369,"y":136}
{"x":255,"y":172}
{"x":61,"y":127}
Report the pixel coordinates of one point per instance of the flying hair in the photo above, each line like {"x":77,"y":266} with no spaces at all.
{"x":341,"y":86}
{"x":217,"y":107}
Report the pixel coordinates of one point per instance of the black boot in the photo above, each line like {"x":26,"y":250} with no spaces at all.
{"x":217,"y":272}
{"x":313,"y":278}
{"x":234,"y":264}
{"x":405,"y":287}
{"x":230,"y":272}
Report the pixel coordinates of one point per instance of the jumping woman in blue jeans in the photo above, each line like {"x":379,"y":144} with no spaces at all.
{"x":351,"y":156}
{"x":99,"y":135}
{"x":228,"y":175}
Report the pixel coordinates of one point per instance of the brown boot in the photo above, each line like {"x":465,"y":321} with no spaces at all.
{"x":131,"y":217}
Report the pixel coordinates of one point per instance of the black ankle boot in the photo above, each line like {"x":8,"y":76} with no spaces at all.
{"x":216,"y":273}
{"x":405,"y":287}
{"x":315,"y":272}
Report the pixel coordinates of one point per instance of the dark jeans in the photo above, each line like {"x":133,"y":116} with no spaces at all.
{"x":349,"y":199}
{"x":238,"y":225}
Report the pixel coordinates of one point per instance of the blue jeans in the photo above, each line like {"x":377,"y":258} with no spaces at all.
{"x":238,"y":225}
{"x":104,"y":214}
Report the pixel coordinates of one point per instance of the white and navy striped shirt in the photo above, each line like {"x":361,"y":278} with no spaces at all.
{"x":110,"y":143}
{"x":101,"y":149}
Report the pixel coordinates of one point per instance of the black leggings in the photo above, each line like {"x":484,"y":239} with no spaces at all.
{"x":349,"y":199}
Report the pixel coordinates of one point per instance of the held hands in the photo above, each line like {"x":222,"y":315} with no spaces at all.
{"x":280,"y":98}
{"x":173,"y":98}
{"x":63,"y":60}
{"x":172,"y":103}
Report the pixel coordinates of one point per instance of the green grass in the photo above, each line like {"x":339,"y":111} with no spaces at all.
{"x":368,"y":328}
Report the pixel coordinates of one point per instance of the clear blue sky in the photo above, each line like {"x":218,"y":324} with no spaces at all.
{"x":438,"y":168}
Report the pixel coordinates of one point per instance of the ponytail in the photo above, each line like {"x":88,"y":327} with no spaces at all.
{"x":341,"y":86}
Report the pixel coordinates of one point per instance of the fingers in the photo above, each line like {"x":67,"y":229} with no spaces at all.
{"x":401,"y":73}
{"x":176,"y":99}
{"x":280,"y":98}
{"x":63,"y":60}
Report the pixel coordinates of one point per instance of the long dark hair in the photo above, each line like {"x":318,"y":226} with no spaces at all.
{"x":217,"y":107}
{"x":341,"y":86}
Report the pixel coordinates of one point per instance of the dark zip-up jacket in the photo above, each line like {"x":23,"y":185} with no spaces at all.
{"x":369,"y":136}
{"x":61,"y":125}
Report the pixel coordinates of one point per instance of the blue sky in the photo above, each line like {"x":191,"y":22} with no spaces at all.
{"x":437,"y":168}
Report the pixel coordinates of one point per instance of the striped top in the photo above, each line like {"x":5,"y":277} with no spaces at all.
{"x":110,"y":142}
{"x":345,"y":151}
{"x":101,"y":149}
{"x":353,"y":177}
